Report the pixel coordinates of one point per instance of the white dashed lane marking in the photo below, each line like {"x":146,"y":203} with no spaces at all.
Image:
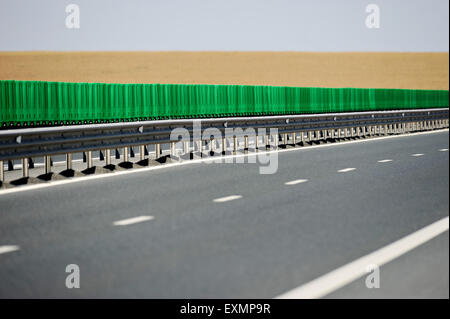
{"x":226,"y":199}
{"x":295,"y":182}
{"x":385,"y":161}
{"x":345,"y":170}
{"x":417,"y":154}
{"x":443,"y":150}
{"x":8,"y":248}
{"x":133,"y":220}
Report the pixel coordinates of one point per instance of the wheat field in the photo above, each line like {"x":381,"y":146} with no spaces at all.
{"x":316,"y":69}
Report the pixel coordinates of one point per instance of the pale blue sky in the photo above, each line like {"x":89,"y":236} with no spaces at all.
{"x":243,"y":25}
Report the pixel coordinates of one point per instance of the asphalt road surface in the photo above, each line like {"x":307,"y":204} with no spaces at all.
{"x":226,"y":231}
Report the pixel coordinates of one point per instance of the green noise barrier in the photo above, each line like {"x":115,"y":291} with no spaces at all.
{"x":28,"y":103}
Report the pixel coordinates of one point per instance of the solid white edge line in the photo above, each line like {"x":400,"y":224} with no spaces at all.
{"x":8,"y":248}
{"x":190,"y":162}
{"x":385,"y":161}
{"x":133,"y":220}
{"x":348,"y":273}
{"x":295,"y":182}
{"x":226,"y":198}
{"x":345,"y":170}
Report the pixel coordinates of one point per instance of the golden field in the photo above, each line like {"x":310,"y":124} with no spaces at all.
{"x":352,"y":69}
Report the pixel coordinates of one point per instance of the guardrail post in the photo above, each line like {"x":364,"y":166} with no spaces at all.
{"x":24,"y":167}
{"x":47,"y":164}
{"x":69,"y":161}
{"x":89,"y":159}
{"x":157,"y":151}
{"x":108,"y":157}
{"x":125,"y":154}
{"x":224,"y":145}
{"x":2,"y":174}
{"x":172,"y":148}
{"x":141,"y":152}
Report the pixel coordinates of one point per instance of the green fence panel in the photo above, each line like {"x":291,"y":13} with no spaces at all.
{"x":37,"y":102}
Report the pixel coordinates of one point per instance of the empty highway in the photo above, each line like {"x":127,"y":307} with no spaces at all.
{"x":225,"y":231}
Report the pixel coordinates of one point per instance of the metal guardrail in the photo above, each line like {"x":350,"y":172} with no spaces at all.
{"x":45,"y":142}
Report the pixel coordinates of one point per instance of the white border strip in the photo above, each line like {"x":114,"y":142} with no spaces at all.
{"x":344,"y":275}
{"x":203,"y":160}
